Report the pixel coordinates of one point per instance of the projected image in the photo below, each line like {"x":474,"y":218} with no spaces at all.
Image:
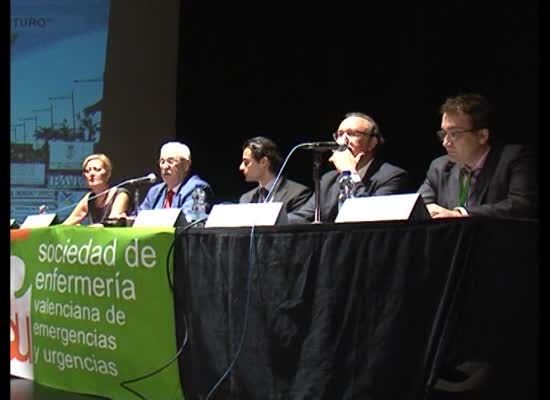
{"x":58,"y":51}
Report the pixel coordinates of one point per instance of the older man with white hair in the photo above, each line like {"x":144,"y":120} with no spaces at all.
{"x":178,"y":183}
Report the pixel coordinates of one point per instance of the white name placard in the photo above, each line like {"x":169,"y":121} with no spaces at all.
{"x":38,"y":220}
{"x":250,"y":214}
{"x":162,"y":217}
{"x":393,"y":207}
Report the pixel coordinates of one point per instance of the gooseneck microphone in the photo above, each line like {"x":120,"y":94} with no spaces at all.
{"x":151,"y":178}
{"x":315,"y":146}
{"x":323,"y":146}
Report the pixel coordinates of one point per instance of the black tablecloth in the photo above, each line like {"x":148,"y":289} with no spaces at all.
{"x":351,"y":311}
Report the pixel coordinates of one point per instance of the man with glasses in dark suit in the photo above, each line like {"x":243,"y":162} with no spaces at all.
{"x":371,"y":175}
{"x":478,"y":176}
{"x":260,"y":163}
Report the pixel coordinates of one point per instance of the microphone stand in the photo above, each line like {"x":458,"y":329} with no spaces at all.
{"x":151,"y":178}
{"x":317,"y":161}
{"x":136,"y":198}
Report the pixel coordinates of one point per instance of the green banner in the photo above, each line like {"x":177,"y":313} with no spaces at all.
{"x":101,"y":309}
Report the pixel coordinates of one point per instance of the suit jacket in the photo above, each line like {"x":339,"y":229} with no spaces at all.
{"x":291,"y":194}
{"x":506,"y":185}
{"x":182,"y":199}
{"x":382,"y":178}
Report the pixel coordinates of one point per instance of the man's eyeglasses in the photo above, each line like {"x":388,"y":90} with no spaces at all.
{"x":339,"y":134}
{"x":452,"y":135}
{"x":170,"y":161}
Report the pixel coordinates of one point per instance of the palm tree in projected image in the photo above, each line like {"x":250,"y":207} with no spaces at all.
{"x":88,"y":130}
{"x":60,"y":132}
{"x":46,"y":134}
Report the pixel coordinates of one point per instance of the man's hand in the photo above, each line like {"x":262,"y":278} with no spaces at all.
{"x":436,"y":211}
{"x":345,"y":160}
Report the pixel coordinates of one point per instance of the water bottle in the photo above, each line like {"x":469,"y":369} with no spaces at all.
{"x":198,"y":209}
{"x":347,"y":187}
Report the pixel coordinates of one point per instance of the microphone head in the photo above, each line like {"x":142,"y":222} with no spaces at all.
{"x":342,"y":147}
{"x":152,"y":177}
{"x":323,"y":146}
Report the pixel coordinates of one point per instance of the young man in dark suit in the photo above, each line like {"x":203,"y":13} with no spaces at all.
{"x":260,"y":163}
{"x":478,"y":176}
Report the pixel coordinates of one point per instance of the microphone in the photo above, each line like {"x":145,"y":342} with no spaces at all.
{"x":148,"y":178}
{"x":315,"y":146}
{"x":323,"y":146}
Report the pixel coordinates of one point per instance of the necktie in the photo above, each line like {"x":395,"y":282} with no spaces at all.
{"x":169,"y":197}
{"x":465,"y":177}
{"x":262,"y":195}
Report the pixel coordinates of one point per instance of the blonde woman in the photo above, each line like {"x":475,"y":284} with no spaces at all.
{"x":101,"y":203}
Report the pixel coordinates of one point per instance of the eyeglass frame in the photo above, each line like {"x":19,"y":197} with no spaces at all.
{"x":356,"y":133}
{"x":453,"y":135}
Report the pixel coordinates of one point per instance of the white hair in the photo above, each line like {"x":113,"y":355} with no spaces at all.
{"x":178,"y":148}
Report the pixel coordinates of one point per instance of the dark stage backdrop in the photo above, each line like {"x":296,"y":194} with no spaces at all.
{"x":291,"y":71}
{"x":139,"y":104}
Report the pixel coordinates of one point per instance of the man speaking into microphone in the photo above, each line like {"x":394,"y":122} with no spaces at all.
{"x":178,"y":182}
{"x":371,"y":175}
